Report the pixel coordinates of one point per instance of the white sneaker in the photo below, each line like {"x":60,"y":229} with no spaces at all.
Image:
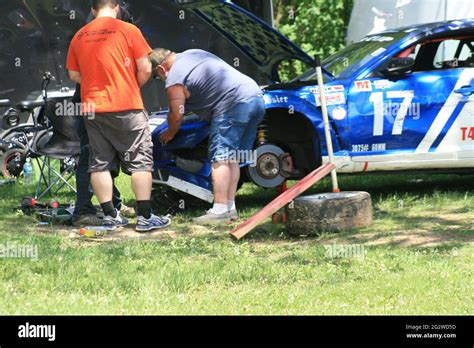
{"x":234,"y":215}
{"x":212,"y":218}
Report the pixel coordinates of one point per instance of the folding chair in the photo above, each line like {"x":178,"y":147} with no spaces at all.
{"x":56,"y":143}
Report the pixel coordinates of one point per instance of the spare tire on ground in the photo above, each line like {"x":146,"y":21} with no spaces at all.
{"x":329,"y":212}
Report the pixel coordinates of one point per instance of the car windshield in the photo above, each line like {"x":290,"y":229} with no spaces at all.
{"x":351,"y":58}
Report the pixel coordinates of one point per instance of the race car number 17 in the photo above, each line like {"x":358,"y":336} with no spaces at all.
{"x":381,"y":111}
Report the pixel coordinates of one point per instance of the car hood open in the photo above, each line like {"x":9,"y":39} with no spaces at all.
{"x":265,"y":46}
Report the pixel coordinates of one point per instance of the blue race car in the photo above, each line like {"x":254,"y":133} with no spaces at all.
{"x":398,"y":100}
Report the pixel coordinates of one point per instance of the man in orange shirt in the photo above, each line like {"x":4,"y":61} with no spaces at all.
{"x":109,"y":58}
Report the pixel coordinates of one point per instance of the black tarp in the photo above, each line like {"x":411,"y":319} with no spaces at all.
{"x":35,"y":35}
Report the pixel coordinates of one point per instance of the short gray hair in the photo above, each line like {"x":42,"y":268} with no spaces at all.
{"x":158,"y":57}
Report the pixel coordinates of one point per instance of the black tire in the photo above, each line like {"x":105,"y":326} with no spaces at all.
{"x":12,"y":161}
{"x":165,"y":200}
{"x":329,"y":212}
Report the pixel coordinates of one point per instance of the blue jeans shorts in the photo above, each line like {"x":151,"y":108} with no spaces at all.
{"x":234,"y":132}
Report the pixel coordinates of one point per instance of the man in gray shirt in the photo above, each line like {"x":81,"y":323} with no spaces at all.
{"x":200,"y":82}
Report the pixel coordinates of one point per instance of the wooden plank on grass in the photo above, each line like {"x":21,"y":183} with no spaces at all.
{"x":282,"y":200}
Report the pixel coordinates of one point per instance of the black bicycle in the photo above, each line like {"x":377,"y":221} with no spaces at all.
{"x":18,"y":140}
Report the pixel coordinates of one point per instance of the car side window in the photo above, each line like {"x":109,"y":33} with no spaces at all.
{"x":445,"y":54}
{"x":445,"y":57}
{"x":466,"y":54}
{"x":412,"y":52}
{"x":439,"y":54}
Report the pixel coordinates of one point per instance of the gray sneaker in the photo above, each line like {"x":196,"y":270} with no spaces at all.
{"x":234,"y":215}
{"x":153,"y":223}
{"x":117,"y":221}
{"x":211,"y":218}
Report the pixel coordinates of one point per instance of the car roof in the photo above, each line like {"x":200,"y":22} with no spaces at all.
{"x":434,"y":27}
{"x":414,"y":33}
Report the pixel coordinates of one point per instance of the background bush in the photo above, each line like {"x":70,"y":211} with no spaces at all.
{"x":317,"y":26}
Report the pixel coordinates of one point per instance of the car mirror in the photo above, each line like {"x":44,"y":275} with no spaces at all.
{"x":399,"y":66}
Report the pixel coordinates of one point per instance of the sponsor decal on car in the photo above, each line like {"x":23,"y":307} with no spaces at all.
{"x":328,"y":89}
{"x":331,"y":98}
{"x":334,"y":95}
{"x":467,"y":133}
{"x":363,"y":86}
{"x":378,"y":52}
{"x":382,"y":84}
{"x":275,"y":99}
{"x":366,"y":147}
{"x":339,"y":113}
{"x":377,"y":38}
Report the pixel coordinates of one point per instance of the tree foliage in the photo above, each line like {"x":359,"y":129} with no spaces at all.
{"x":317,"y":26}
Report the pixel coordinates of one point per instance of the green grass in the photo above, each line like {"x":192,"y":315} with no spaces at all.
{"x":419,"y":257}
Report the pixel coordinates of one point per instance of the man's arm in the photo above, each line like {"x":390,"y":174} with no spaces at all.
{"x":143,"y":70}
{"x":75,"y":76}
{"x":177,"y":100}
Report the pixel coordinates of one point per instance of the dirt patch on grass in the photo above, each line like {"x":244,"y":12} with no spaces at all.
{"x":413,"y":238}
{"x":420,"y":230}
{"x":120,"y":234}
{"x":427,"y":231}
{"x":129,"y":233}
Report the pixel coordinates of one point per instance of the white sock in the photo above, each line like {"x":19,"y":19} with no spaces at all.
{"x":219,"y":208}
{"x":231,"y":205}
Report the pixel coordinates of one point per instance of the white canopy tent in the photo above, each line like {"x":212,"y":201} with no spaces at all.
{"x":372,"y":16}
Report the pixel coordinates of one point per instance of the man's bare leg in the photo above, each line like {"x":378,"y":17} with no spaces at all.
{"x":221,"y":180}
{"x":102,"y":184}
{"x":234,"y":181}
{"x":141,"y":185}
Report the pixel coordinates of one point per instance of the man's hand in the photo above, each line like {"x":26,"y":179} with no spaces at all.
{"x":75,"y":76}
{"x":167,"y":136}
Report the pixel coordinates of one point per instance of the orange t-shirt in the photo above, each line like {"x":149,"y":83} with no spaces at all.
{"x":104,"y":52}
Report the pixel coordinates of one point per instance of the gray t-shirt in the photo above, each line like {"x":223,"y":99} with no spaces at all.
{"x":214,"y":85}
